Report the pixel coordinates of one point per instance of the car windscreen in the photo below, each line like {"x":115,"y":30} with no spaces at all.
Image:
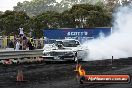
{"x":70,"y":43}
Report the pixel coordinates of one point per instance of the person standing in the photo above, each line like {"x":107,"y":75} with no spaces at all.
{"x":21,"y":33}
{"x":11,"y":44}
{"x":17,"y":45}
{"x":29,"y":44}
{"x":24,"y":42}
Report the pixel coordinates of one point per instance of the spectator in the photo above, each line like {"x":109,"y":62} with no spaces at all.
{"x":21,"y":40}
{"x":29,"y":44}
{"x":20,"y":48}
{"x":39,"y":45}
{"x":24,"y":43}
{"x":17,"y":45}
{"x":11,"y":44}
{"x":21,"y":33}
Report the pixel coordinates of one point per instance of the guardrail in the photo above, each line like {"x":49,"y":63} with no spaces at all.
{"x":20,"y":54}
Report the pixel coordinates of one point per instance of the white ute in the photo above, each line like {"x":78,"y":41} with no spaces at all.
{"x":64,"y":50}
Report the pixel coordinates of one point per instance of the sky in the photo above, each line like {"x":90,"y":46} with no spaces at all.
{"x":8,"y":4}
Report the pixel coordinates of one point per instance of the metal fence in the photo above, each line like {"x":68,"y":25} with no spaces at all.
{"x":20,"y":54}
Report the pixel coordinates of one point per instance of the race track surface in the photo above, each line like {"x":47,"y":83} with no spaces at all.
{"x":62,"y":75}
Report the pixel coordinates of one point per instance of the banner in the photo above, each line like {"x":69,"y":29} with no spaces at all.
{"x":82,"y":34}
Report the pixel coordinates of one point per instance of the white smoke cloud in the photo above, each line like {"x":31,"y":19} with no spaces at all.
{"x":119,"y":43}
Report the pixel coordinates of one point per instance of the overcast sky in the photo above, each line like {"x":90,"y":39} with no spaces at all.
{"x":8,"y":4}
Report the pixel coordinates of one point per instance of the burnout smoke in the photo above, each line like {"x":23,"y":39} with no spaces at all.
{"x":119,"y":43}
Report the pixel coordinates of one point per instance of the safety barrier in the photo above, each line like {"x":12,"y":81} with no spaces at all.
{"x":4,"y":54}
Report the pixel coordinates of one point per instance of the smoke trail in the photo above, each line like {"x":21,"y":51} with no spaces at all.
{"x":119,"y":44}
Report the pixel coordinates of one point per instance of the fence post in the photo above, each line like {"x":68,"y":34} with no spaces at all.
{"x":112,"y":60}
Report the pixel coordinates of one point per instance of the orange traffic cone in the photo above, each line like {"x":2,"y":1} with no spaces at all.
{"x":19,"y":76}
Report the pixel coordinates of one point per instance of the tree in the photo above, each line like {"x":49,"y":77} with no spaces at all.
{"x":126,"y":2}
{"x":1,"y":12}
{"x":12,"y":20}
{"x":78,"y":16}
{"x":87,"y":15}
{"x":35,"y":7}
{"x":49,"y":19}
{"x":67,"y":20}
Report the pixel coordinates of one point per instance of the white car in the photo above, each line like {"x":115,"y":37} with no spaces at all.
{"x":63,"y":50}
